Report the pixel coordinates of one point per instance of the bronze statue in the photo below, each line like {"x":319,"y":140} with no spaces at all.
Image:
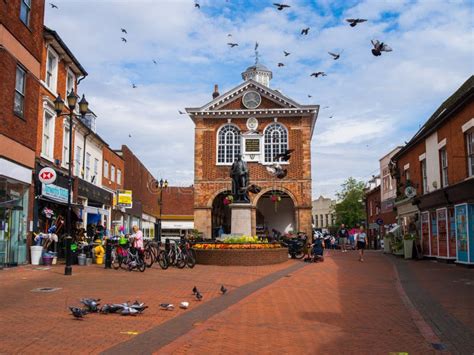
{"x":239,"y":173}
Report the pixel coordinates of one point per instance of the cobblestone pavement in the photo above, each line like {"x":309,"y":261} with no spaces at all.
{"x":335,"y":307}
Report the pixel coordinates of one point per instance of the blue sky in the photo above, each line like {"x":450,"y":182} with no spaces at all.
{"x":376,"y":103}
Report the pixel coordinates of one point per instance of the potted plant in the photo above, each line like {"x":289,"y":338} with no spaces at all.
{"x":397,"y":247}
{"x":408,"y":241}
{"x":387,"y":240}
{"x":228,"y":200}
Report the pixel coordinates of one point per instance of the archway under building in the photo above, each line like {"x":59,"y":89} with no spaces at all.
{"x":221,"y":214}
{"x":274,"y":216}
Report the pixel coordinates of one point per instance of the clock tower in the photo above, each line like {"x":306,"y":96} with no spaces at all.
{"x":257,"y":123}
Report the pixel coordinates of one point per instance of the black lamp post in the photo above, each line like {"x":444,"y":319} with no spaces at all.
{"x":161,"y":184}
{"x":83,"y":109}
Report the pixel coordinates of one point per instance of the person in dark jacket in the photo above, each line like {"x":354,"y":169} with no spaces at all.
{"x":343,"y":234}
{"x":318,"y":249}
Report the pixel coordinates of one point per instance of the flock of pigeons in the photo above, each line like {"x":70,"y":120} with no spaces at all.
{"x":91,"y":305}
{"x":276,"y":170}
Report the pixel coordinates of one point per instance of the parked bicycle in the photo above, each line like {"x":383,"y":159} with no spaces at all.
{"x":125,"y":256}
{"x":153,"y":253}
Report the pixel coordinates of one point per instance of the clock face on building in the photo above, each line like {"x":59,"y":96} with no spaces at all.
{"x":252,"y":124}
{"x":251,"y":99}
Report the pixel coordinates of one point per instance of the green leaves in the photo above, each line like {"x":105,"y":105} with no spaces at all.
{"x":350,"y":209}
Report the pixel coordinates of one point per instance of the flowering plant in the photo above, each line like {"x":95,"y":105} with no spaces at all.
{"x":228,"y":200}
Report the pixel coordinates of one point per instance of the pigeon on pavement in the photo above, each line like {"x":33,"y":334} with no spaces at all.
{"x":198,"y":296}
{"x":167,"y":306}
{"x":77,"y":312}
{"x":91,"y":304}
{"x":223,"y":290}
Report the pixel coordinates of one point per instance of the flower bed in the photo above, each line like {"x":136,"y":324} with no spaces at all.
{"x":244,"y":254}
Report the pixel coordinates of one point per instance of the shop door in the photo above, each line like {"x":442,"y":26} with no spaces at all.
{"x":462,"y":233}
{"x":12,"y":245}
{"x":442,"y":233}
{"x":433,"y":233}
{"x":425,"y":233}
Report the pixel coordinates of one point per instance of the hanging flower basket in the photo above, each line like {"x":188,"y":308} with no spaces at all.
{"x":228,"y":200}
{"x":275,"y":198}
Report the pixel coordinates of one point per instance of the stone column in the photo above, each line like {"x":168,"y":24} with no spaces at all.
{"x":241,"y":218}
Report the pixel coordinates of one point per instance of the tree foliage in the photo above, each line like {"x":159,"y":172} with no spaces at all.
{"x":350,"y":209}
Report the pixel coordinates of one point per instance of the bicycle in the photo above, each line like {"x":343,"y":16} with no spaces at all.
{"x":174,"y":255}
{"x":188,"y":253}
{"x":153,"y":253}
{"x":126,"y":257}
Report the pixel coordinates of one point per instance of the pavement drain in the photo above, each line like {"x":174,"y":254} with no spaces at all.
{"x":437,"y":346}
{"x":45,"y":289}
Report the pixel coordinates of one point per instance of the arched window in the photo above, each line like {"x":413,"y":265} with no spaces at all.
{"x":276,"y":141}
{"x":228,"y":144}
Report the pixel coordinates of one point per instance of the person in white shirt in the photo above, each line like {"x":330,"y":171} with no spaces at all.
{"x":361,"y":238}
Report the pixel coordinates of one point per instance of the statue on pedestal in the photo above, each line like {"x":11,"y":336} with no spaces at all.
{"x":239,"y":173}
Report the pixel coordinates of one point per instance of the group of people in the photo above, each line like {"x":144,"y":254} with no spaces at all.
{"x":356,"y":236}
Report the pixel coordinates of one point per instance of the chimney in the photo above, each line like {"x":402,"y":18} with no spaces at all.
{"x":215,"y":94}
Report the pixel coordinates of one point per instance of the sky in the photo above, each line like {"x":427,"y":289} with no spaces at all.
{"x":369,"y":105}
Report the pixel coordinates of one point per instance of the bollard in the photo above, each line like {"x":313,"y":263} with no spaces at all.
{"x":68,"y":268}
{"x":108,"y":254}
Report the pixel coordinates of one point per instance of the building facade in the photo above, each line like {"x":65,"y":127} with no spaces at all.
{"x":21,"y":38}
{"x":323,"y":212}
{"x":373,"y":211}
{"x":112,"y":180}
{"x":435,"y":175}
{"x":258,"y":123}
{"x":177,"y":211}
{"x":388,"y":193}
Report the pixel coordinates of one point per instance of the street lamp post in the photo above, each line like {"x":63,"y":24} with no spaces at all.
{"x":83,"y":109}
{"x":161,"y":184}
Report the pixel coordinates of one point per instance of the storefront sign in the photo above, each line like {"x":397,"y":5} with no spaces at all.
{"x":94,"y":193}
{"x":124,"y":198}
{"x":55,"y":192}
{"x":379,"y":221}
{"x":47,"y":175}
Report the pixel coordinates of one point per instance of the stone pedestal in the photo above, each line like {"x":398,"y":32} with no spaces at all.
{"x":241,"y":218}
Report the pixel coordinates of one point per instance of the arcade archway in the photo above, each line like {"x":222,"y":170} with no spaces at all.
{"x":275,"y":212}
{"x":221,"y":215}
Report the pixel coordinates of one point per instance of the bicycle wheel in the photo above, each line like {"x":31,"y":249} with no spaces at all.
{"x":180,"y":261}
{"x":162,"y":260}
{"x":190,"y":261}
{"x":141,"y":265}
{"x":149,"y":256}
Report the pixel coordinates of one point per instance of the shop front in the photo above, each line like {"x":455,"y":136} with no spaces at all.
{"x":15,"y":182}
{"x":96,"y":213}
{"x":408,"y":216}
{"x":148,"y":226}
{"x":175,"y":229}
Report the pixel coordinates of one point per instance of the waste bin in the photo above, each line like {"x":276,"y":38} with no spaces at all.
{"x":36,"y":251}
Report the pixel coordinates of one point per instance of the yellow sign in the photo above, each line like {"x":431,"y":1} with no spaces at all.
{"x":124,"y":198}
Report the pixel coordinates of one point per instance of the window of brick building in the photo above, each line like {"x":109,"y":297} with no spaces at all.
{"x":470,"y":152}
{"x":19,"y":102}
{"x":106,"y":169}
{"x":25,"y":9}
{"x":112,"y":173}
{"x":88,"y":166}
{"x":424,"y":178}
{"x":96,"y":170}
{"x":119,"y":176}
{"x":443,"y":159}
{"x":51,"y":70}
{"x":77,"y":161}
{"x":228,"y":144}
{"x":66,"y":145}
{"x":69,"y":82}
{"x":276,"y":141}
{"x":48,"y":134}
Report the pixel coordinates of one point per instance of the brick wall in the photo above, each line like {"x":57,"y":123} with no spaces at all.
{"x":113,"y":159}
{"x":411,"y":157}
{"x":138,"y":179}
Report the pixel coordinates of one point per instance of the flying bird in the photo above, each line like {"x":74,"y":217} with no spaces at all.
{"x":281,"y":64}
{"x":354,"y":21}
{"x":305,"y":31}
{"x":197,"y":5}
{"x":310,"y":96}
{"x":77,"y":312}
{"x":232,"y":45}
{"x":123,"y":30}
{"x":154,"y":61}
{"x":286,"y":53}
{"x":198,"y":296}
{"x":277,"y":171}
{"x":285,"y":156}
{"x":223,"y":290}
{"x":280,"y":6}
{"x":181,"y":112}
{"x":331,"y":116}
{"x":129,"y":135}
{"x":335,"y":55}
{"x":134,"y":86}
{"x":325,"y":107}
{"x":379,"y":47}
{"x":229,"y":35}
{"x":255,"y":189}
{"x":53,"y":6}
{"x":256,"y":46}
{"x":319,"y":73}
{"x":123,"y":39}
{"x":195,"y":290}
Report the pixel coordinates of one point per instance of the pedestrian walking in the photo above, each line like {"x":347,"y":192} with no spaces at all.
{"x":343,"y":233}
{"x":361,"y":242}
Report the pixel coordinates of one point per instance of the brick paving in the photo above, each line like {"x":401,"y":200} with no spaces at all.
{"x":336,"y":307}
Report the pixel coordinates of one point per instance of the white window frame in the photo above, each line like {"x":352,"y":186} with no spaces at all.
{"x":96,"y":170}
{"x":53,"y":84}
{"x":68,"y":90}
{"x":106,"y":169}
{"x":88,"y":166}
{"x":112,"y":172}
{"x":470,"y":152}
{"x":424,"y":176}
{"x":77,"y":160}
{"x":443,"y":166}
{"x":19,"y":92}
{"x":25,"y":4}
{"x":229,"y":145}
{"x":66,"y":133}
{"x":275,"y":148}
{"x":47,"y":151}
{"x":119,"y":176}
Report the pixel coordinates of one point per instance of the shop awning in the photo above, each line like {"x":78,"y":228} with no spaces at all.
{"x":177,"y":225}
{"x":95,"y":210}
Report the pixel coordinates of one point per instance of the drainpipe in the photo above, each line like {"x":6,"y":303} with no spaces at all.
{"x":82,"y":78}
